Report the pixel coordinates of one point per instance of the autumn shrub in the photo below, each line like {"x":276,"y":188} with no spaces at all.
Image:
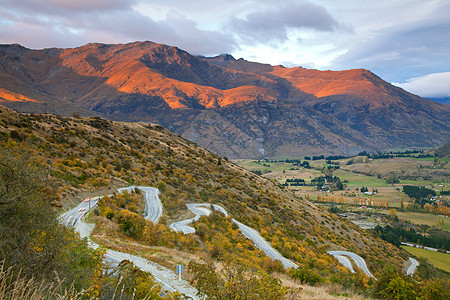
{"x":131,"y":223}
{"x":235,"y":282}
{"x":307,"y":275}
{"x":224,"y":241}
{"x":121,"y":208}
{"x":436,"y":289}
{"x":392,"y":285}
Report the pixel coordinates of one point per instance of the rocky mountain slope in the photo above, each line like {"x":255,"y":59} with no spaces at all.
{"x":235,"y":108}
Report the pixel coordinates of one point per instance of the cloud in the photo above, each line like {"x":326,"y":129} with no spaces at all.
{"x":414,"y":44}
{"x":198,"y":41}
{"x":58,"y":23}
{"x":59,"y":6}
{"x":436,"y":85}
{"x":273,"y":23}
{"x":399,"y":55}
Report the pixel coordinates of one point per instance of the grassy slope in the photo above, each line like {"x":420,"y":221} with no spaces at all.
{"x":103,"y":155}
{"x":439,"y":260}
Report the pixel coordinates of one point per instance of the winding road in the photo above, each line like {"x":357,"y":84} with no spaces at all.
{"x":200,"y":209}
{"x":167,"y":277}
{"x":73,"y":216}
{"x":153,"y":206}
{"x":412,"y":268}
{"x":345,"y":262}
{"x":154,"y":210}
{"x":360,"y":262}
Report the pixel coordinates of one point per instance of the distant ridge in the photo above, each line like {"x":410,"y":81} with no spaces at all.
{"x":234,"y":107}
{"x":445,"y":100}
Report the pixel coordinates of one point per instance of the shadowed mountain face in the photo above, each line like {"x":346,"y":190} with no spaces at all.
{"x":235,"y":108}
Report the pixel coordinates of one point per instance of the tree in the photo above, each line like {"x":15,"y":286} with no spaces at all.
{"x":391,"y":180}
{"x":31,"y":237}
{"x":436,"y":289}
{"x":307,"y":274}
{"x":391,"y":285}
{"x":393,"y":214}
{"x":26,"y":217}
{"x":235,"y":282}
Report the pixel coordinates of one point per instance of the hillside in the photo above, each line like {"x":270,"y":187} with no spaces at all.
{"x":442,"y":151}
{"x":95,"y":153}
{"x":235,"y":108}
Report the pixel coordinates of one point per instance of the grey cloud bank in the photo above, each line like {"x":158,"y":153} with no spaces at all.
{"x":272,"y":24}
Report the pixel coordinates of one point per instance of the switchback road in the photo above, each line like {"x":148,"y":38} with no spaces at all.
{"x":200,"y":209}
{"x":167,"y":277}
{"x":360,"y":262}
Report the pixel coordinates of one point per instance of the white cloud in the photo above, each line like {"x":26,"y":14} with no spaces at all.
{"x":436,"y":85}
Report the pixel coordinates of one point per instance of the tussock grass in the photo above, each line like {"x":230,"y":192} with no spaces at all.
{"x":328,"y":292}
{"x":15,"y":286}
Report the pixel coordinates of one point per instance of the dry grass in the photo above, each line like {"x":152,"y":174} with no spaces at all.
{"x":302,"y":173}
{"x":424,"y":219}
{"x":330,"y":291}
{"x":14,"y":286}
{"x":327,"y":292}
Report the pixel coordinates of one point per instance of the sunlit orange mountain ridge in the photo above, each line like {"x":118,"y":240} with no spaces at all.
{"x":231,"y":106}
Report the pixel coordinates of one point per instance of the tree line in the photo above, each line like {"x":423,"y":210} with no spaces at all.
{"x":395,"y":235}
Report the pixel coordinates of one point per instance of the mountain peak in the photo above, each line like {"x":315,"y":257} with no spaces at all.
{"x":236,"y":108}
{"x":226,"y":57}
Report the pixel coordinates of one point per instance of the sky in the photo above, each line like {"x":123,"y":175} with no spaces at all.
{"x":405,"y":42}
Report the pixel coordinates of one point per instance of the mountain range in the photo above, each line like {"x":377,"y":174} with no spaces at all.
{"x":233,"y":107}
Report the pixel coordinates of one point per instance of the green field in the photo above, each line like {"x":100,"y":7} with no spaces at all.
{"x":359,"y":180}
{"x":444,"y":159}
{"x":278,"y":171}
{"x":437,"y":259}
{"x":252,"y":165}
{"x":425,"y":219}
